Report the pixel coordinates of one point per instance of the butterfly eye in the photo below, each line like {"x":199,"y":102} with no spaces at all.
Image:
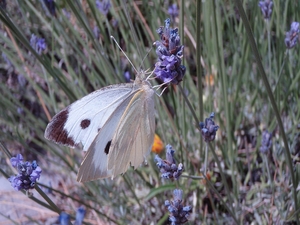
{"x":106,"y":150}
{"x":85,"y":123}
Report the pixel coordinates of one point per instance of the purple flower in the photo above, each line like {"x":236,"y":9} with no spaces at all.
{"x":266,"y":142}
{"x":103,"y":6}
{"x":169,"y":51}
{"x":96,"y":32}
{"x":28,"y":173}
{"x":5,"y":58}
{"x":80,"y":213}
{"x":66,"y":13}
{"x":38,"y":44}
{"x":173,"y":11}
{"x":64,"y":219}
{"x":209,"y":129}
{"x":127,"y":76}
{"x":266,"y":8}
{"x":16,"y":160}
{"x":291,"y":37}
{"x":168,"y":167}
{"x":178,"y":213}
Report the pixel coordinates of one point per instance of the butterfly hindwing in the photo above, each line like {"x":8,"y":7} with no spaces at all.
{"x":134,"y":135}
{"x":82,"y":120}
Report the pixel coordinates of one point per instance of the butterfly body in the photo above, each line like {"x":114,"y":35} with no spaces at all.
{"x":115,"y":125}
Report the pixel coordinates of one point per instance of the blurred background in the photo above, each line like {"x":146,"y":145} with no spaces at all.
{"x":55,"y":52}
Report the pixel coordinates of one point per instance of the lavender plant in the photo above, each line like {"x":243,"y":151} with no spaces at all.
{"x":244,"y":67}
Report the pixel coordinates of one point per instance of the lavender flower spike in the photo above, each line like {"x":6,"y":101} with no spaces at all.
{"x":266,"y":142}
{"x":28,"y":173}
{"x":173,"y":11}
{"x":80,"y":213}
{"x":209,"y":129}
{"x":168,"y":167}
{"x":103,"y":6}
{"x":266,"y":7}
{"x":292,"y":37}
{"x":178,"y":213}
{"x":38,"y":44}
{"x":169,"y":51}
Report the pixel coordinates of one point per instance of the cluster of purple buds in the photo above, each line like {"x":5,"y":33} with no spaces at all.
{"x":168,"y":167}
{"x":266,"y":142}
{"x":178,"y":213}
{"x":292,"y":36}
{"x":103,"y":6}
{"x":169,"y":51}
{"x":208,"y":128}
{"x":266,"y":7}
{"x":38,"y":44}
{"x":64,"y":218}
{"x":28,"y":173}
{"x":96,"y":32}
{"x":173,"y":11}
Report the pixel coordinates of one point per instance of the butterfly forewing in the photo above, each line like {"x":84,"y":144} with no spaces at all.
{"x":82,"y":120}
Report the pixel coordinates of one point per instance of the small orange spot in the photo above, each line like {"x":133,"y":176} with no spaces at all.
{"x":208,"y":176}
{"x":158,"y":145}
{"x":209,"y":80}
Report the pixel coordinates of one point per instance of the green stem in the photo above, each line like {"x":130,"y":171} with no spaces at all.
{"x":189,"y":105}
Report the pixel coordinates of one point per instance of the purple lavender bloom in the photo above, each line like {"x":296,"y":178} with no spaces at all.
{"x":66,"y":13}
{"x":79,"y":215}
{"x":64,"y":219}
{"x":96,"y":32}
{"x":169,"y":51}
{"x":173,"y":11}
{"x":292,"y":36}
{"x":28,"y":173}
{"x":16,"y":160}
{"x":266,"y":142}
{"x":5,"y":58}
{"x":168,"y":167}
{"x":266,"y":7}
{"x":127,"y":76}
{"x":38,"y":44}
{"x":209,"y":129}
{"x":103,"y":6}
{"x":178,"y":213}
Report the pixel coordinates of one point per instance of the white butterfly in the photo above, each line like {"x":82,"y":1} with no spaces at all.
{"x":115,"y":125}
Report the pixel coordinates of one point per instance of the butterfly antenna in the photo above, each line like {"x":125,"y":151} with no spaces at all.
{"x":112,"y":37}
{"x":145,"y":58}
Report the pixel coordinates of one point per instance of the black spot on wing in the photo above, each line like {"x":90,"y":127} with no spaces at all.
{"x":85,"y":123}
{"x":106,"y":150}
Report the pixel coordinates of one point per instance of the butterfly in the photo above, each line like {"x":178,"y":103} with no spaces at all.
{"x":115,"y":124}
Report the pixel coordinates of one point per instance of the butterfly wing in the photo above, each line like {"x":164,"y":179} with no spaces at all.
{"x":95,"y":164}
{"x":134,"y":135}
{"x":82,"y":120}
